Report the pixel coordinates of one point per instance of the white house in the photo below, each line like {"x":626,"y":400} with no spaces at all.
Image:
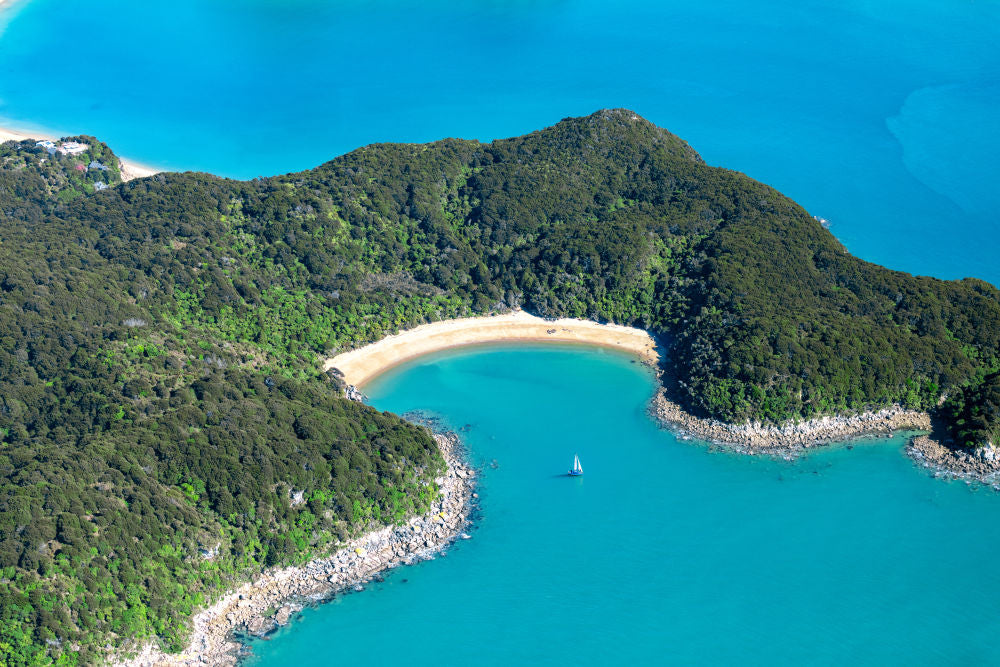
{"x":72,"y":148}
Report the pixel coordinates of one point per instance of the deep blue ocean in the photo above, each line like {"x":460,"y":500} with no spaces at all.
{"x":882,"y":116}
{"x":879,"y":115}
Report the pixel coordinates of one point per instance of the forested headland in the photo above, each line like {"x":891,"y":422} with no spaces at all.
{"x":166,"y":430}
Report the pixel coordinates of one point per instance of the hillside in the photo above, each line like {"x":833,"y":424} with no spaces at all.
{"x":166,"y":430}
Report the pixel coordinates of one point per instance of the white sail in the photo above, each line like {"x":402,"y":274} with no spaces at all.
{"x":576,"y":464}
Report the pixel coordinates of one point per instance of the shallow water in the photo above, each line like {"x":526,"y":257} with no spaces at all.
{"x":880,"y":116}
{"x":664,"y":550}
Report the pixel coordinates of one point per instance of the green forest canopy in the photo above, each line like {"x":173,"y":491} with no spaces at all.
{"x":161,"y":403}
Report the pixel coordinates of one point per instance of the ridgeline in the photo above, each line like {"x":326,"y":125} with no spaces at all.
{"x":166,"y":431}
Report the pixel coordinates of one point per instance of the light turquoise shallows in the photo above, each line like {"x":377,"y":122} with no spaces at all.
{"x":881,"y":116}
{"x":664,"y":550}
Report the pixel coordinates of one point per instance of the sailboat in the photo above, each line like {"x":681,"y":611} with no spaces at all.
{"x":577,"y":468}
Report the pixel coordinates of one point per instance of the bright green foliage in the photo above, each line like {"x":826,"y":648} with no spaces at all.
{"x":166,"y":431}
{"x":973,"y":412}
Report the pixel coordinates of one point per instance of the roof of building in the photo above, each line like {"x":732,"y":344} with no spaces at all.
{"x":73,"y":147}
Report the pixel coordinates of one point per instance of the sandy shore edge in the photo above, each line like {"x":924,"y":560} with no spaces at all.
{"x":785,"y":441}
{"x":360,"y":365}
{"x":129,"y":168}
{"x":269,"y":601}
{"x":251,"y":607}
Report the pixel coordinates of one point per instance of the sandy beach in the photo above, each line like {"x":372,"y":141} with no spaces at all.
{"x":787,"y":440}
{"x":361,"y":365}
{"x":129,"y":168}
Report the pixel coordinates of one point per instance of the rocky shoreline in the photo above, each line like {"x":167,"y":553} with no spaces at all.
{"x":931,"y":450}
{"x":790,"y":439}
{"x":259,"y":607}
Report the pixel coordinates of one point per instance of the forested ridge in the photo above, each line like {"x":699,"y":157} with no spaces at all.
{"x":166,"y":430}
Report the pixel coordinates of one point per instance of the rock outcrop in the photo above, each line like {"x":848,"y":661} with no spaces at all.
{"x":246,"y":610}
{"x":354,"y":394}
{"x":933,"y":451}
{"x":757,"y":438}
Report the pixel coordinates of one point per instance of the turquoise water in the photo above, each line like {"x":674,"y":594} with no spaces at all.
{"x":878,"y":115}
{"x":665,"y":551}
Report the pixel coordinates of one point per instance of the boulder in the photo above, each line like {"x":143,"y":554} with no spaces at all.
{"x":988,"y":453}
{"x":260,"y":626}
{"x":283,"y":614}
